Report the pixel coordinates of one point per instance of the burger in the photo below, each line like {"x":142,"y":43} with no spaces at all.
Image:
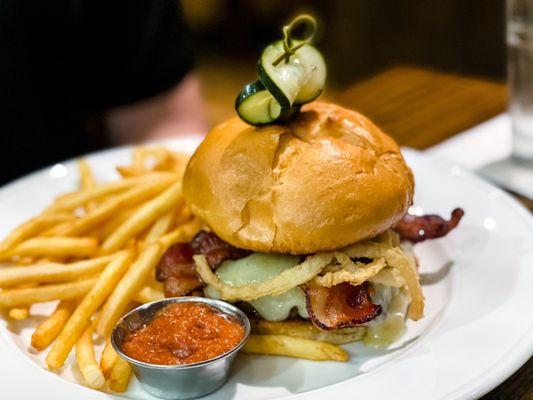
{"x":306,"y":227}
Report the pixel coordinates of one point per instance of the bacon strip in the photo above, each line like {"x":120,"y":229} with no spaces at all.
{"x":420,"y":228}
{"x":340,"y":306}
{"x":176,"y":268}
{"x":215,"y":249}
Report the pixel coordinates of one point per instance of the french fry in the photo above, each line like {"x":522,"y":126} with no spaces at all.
{"x":48,"y":330}
{"x":112,"y":224}
{"x":86,"y":360}
{"x":112,"y":206}
{"x":143,"y":217}
{"x":138,"y":158}
{"x":183,"y":233}
{"x":109,"y":355}
{"x":156,"y":158}
{"x":25,"y":261}
{"x":128,"y":171}
{"x":148,"y":294}
{"x":182,"y":216}
{"x":281,"y":345}
{"x":77,"y":199}
{"x":128,"y":287}
{"x":55,"y":246}
{"x":90,"y":303}
{"x":58,"y":229}
{"x":63,"y":291}
{"x":120,"y":376}
{"x":19,"y":313}
{"x":51,"y":272}
{"x":86,"y":180}
{"x":160,"y":226}
{"x":86,"y":175}
{"x":305,"y":329}
{"x":31,"y":228}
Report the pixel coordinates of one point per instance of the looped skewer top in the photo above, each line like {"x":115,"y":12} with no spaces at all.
{"x":281,"y":89}
{"x":309,"y":22}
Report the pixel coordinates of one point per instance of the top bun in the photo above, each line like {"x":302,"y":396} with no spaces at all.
{"x":323,"y":181}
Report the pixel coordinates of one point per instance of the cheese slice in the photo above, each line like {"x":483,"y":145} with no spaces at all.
{"x":259,"y":267}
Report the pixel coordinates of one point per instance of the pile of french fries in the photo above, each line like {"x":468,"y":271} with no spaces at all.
{"x":94,"y":251}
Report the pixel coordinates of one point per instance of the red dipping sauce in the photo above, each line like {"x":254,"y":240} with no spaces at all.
{"x":184,"y":333}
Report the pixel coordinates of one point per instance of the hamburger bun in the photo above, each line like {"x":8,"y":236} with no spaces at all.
{"x":325,"y":180}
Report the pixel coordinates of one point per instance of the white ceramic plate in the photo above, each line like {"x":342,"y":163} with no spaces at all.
{"x":477,"y":330}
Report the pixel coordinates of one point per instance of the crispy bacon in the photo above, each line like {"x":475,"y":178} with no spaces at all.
{"x":215,"y":249}
{"x":420,"y":228}
{"x":340,"y":306}
{"x":176,"y":268}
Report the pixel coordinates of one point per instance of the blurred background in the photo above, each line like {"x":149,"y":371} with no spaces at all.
{"x":79,"y":75}
{"x":412,"y":66}
{"x":358,"y":38}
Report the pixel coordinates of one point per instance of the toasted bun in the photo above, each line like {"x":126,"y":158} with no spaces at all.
{"x":328,"y":179}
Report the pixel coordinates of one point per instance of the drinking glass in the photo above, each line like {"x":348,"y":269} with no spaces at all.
{"x":520,"y":76}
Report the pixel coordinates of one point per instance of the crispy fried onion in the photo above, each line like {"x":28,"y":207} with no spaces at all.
{"x":388,"y":264}
{"x":279,"y":284}
{"x":396,"y":259}
{"x":388,"y":277}
{"x":351,"y":272}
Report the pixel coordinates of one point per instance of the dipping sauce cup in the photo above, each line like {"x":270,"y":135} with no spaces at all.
{"x":179,"y":381}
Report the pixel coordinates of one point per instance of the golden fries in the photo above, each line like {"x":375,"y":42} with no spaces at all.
{"x":112,"y":224}
{"x":71,"y":201}
{"x":86,"y":360}
{"x":86,"y":176}
{"x":56,"y":246}
{"x":281,"y":345}
{"x":86,"y":180}
{"x":95,"y":250}
{"x":19,"y":313}
{"x":51,"y":272}
{"x":30,"y":228}
{"x":48,"y":330}
{"x":109,"y":208}
{"x":160,"y":226}
{"x":181,"y":234}
{"x":127,"y":288}
{"x":142,"y":218}
{"x":120,"y":376}
{"x":109,"y":355}
{"x":41,"y":294}
{"x":88,"y":306}
{"x":305,"y":329}
{"x":148,"y":294}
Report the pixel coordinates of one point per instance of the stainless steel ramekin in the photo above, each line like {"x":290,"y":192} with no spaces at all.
{"x":179,"y":381}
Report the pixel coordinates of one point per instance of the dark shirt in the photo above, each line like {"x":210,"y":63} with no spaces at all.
{"x":62,"y":63}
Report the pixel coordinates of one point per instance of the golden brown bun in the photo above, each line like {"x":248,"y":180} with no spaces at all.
{"x":323,"y":181}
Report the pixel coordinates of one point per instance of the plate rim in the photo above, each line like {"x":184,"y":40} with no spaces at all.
{"x":483,"y":383}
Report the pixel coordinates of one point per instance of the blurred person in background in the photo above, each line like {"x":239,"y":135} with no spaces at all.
{"x":80,"y":75}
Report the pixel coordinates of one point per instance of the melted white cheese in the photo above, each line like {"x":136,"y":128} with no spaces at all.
{"x":388,"y":327}
{"x":259,"y":267}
